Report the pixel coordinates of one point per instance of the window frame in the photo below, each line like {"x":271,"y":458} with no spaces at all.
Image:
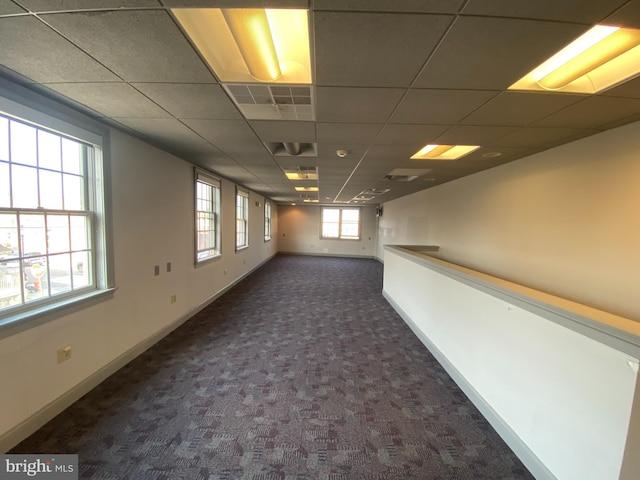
{"x":35,"y":111}
{"x":244,"y":194}
{"x":201,"y":176}
{"x":268,"y":212}
{"x":340,"y":235}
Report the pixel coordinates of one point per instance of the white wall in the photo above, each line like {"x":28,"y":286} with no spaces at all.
{"x":561,"y":399}
{"x":153,"y":223}
{"x":299,"y":232}
{"x":565,"y":221}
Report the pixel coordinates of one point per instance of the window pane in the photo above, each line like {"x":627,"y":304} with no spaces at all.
{"x":10,"y":284}
{"x":36,"y":285}
{"x":79,"y":231}
{"x":350,"y":215}
{"x":24,"y":182}
{"x":8,"y":236}
{"x":50,"y":190}
{"x":331,"y":222}
{"x":60,"y":273}
{"x":33,"y":235}
{"x":330,"y":230}
{"x":71,"y":156}
{"x":81,"y":264}
{"x":23,"y":144}
{"x":331,"y":215}
{"x":58,"y":233}
{"x":48,"y":150}
{"x":5,"y":191}
{"x":4,"y":139}
{"x":73,"y":194}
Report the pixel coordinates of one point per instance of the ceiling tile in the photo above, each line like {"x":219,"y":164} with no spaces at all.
{"x":138,"y":45}
{"x":492,"y":53}
{"x":62,"y":5}
{"x":34,"y":50}
{"x":627,"y":16}
{"x":473,"y":135}
{"x":111,"y":99}
{"x":327,"y":153}
{"x":347,"y":132}
{"x":593,"y":112}
{"x":10,"y":8}
{"x":443,"y":107}
{"x":535,"y":136}
{"x":578,"y":11}
{"x":350,"y":49}
{"x":284,"y":131}
{"x":171,"y":133}
{"x":233,"y":137}
{"x":519,"y":108}
{"x":182,"y":100}
{"x":423,"y":6}
{"x":418,"y":135}
{"x":356,"y":105}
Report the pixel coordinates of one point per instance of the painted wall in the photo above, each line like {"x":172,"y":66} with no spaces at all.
{"x":153,"y":224}
{"x":299,"y":232}
{"x":566,"y":399}
{"x":564,"y":221}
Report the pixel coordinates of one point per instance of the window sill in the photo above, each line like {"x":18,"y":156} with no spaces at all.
{"x":208,"y":260}
{"x":37,"y":316}
{"x":239,"y":249}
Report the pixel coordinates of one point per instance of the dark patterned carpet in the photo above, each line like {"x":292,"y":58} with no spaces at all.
{"x":302,"y":371}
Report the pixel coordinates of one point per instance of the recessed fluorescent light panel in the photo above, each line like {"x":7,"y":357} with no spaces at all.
{"x":251,"y":45}
{"x":302,"y":173}
{"x":306,"y":189}
{"x":601,"y":58}
{"x":444,"y":152}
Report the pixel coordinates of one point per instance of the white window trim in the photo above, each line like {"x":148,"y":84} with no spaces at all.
{"x":268,"y":206}
{"x":242,"y":193}
{"x":348,"y":239}
{"x":205,"y":177}
{"x":31,"y":108}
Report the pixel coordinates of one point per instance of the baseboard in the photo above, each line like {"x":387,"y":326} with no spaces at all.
{"x":318,"y":254}
{"x":522,"y":451}
{"x":15,"y":435}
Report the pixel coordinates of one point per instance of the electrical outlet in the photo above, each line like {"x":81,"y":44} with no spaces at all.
{"x":174,"y":298}
{"x":64,"y":354}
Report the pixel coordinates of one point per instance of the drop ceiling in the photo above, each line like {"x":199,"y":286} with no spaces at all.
{"x":389,"y":77}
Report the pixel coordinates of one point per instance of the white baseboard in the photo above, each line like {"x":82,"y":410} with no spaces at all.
{"x":522,"y":451}
{"x":15,"y":435}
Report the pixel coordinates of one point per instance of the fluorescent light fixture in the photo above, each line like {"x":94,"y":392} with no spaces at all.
{"x":310,"y":200}
{"x":600,"y":58}
{"x":444,"y":152}
{"x":250,"y":45}
{"x":306,"y":189}
{"x":304,"y":173}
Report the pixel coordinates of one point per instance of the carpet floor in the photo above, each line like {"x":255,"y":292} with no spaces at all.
{"x":302,"y":371}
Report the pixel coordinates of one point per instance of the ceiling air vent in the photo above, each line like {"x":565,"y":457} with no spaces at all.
{"x":272,"y":102}
{"x":292,"y":149}
{"x":405,"y":174}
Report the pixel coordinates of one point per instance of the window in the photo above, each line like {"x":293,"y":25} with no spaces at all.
{"x":242,"y":219}
{"x":342,"y":223}
{"x":52,"y":213}
{"x":267,"y":220}
{"x":207,"y":216}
